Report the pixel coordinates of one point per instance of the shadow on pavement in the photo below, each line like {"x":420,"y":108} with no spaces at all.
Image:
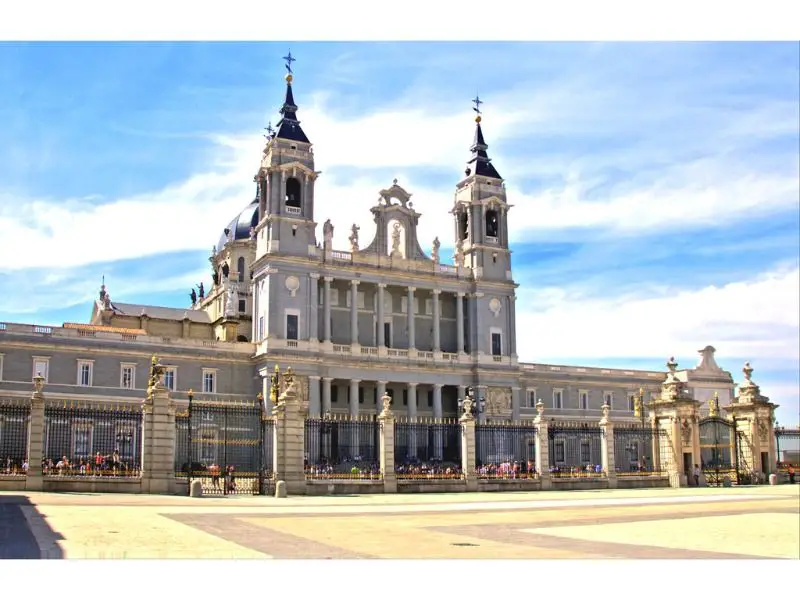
{"x":17,"y":539}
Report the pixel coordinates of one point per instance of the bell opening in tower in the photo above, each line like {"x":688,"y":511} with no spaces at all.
{"x":491,"y":223}
{"x":463,"y":226}
{"x":293,"y":193}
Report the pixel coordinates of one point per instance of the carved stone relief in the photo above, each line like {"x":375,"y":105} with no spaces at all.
{"x":498,"y":401}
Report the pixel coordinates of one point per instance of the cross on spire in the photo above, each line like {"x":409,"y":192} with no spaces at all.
{"x":289,"y":60}
{"x":270,"y":131}
{"x":477,"y":102}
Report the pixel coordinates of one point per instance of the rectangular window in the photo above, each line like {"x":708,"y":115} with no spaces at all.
{"x":361,"y":395}
{"x":586,"y":452}
{"x":242,"y":305}
{"x":584,"y":399}
{"x":558,"y":399}
{"x":81,"y":441}
{"x":41,"y":366}
{"x":532,"y":398}
{"x":260,"y":328}
{"x":292,"y":328}
{"x":209,"y":381}
{"x":334,"y":394}
{"x":169,"y":378}
{"x":84,"y":373}
{"x":632,"y":402}
{"x":497,"y":344}
{"x":608,"y":397}
{"x":430,"y":398}
{"x":558,"y":447}
{"x":127,"y":377}
{"x":387,"y":335}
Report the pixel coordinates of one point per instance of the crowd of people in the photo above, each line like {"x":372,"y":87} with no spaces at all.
{"x":355,"y":468}
{"x":577,"y":471}
{"x":428,"y":470}
{"x":14,"y":467}
{"x":99,"y":465}
{"x":507,"y":470}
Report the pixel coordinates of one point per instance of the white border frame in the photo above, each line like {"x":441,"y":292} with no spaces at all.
{"x":528,"y":392}
{"x":559,"y":391}
{"x":132,"y":367}
{"x":209,"y":371}
{"x":85,"y":362}
{"x":286,"y":313}
{"x":492,"y":331}
{"x":581,"y":394}
{"x":41,"y":359}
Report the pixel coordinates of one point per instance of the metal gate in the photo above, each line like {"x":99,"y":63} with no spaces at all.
{"x":721,"y":453}
{"x":226,"y":448}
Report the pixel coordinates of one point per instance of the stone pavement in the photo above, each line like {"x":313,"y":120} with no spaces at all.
{"x":758,"y":522}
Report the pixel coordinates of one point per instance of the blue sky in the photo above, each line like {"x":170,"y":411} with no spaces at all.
{"x":655,"y":186}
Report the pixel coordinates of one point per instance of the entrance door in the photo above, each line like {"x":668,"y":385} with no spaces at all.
{"x":765,"y":463}
{"x":688,"y":467}
{"x":387,"y":335}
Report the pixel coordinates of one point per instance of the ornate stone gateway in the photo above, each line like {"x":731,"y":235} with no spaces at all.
{"x":721,"y":452}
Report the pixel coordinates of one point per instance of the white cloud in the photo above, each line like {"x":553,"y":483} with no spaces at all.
{"x":759,"y":318}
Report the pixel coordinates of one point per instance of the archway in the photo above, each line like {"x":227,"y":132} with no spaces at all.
{"x":720,"y":451}
{"x":293,"y":193}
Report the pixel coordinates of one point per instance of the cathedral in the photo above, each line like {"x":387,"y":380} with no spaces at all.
{"x":379,"y":316}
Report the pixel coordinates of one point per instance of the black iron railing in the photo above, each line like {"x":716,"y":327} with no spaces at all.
{"x":575,"y":450}
{"x":636,"y":450}
{"x":427,"y":449}
{"x":342,"y":447}
{"x":505,"y":450}
{"x":14,"y":417}
{"x":92,"y":440}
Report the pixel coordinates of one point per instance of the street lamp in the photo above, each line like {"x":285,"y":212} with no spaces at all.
{"x":478,"y":404}
{"x":124,"y":438}
{"x":190,"y":394}
{"x":639,"y":406}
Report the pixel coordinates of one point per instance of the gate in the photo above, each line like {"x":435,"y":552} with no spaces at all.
{"x":225,"y":447}
{"x":787,"y":445}
{"x":721,"y":452}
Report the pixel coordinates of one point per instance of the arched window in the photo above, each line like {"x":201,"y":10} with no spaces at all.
{"x":491,"y":223}
{"x":293,"y":193}
{"x":240,"y":268}
{"x":241,"y":338}
{"x":463,"y":226}
{"x":225,"y":270}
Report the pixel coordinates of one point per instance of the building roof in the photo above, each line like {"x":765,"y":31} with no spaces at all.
{"x":241,"y":224}
{"x":289,"y":127}
{"x":160,"y":312}
{"x":480,"y":163}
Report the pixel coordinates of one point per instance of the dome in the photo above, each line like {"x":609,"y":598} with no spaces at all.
{"x":240,"y":226}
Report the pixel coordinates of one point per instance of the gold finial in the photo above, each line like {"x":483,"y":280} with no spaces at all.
{"x":478,"y":119}
{"x":289,"y":78}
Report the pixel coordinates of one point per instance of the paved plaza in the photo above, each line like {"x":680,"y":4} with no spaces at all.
{"x":758,"y":522}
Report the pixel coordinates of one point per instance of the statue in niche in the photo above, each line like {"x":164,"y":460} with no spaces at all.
{"x":396,"y":239}
{"x":215,"y":278}
{"x":232,"y":304}
{"x":459,"y":255}
{"x":193,"y":297}
{"x":202,"y":291}
{"x":435,"y":251}
{"x":354,"y":238}
{"x":327,"y":233}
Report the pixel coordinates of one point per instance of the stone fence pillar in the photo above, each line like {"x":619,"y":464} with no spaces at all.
{"x":158,"y":441}
{"x":607,"y":447}
{"x":386,"y":421}
{"x":467,"y":422}
{"x":289,"y":449}
{"x":34,"y":482}
{"x":542,"y":447}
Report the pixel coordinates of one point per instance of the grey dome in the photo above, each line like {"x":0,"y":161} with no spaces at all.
{"x":240,"y":226}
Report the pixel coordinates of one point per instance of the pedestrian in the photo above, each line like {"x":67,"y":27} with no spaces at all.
{"x":791,"y":474}
{"x":696,"y":475}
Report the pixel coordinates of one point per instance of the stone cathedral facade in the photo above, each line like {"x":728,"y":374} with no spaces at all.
{"x":382,"y":315}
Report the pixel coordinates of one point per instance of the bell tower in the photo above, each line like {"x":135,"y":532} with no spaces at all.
{"x":480,"y":213}
{"x":285,"y":181}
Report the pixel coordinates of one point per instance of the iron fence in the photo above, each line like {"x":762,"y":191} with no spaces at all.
{"x":224,"y":449}
{"x":427,"y":449}
{"x":14,"y":417}
{"x":636,"y":451}
{"x":342,"y":447}
{"x":505,"y":450}
{"x":575,"y":450}
{"x":92,"y":440}
{"x":787,"y":445}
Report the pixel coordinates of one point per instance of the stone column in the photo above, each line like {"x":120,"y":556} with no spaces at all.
{"x":386,"y":423}
{"x":354,"y":312}
{"x":468,"y":451}
{"x":381,"y":391}
{"x":512,"y":332}
{"x":313,"y":321}
{"x":354,"y":397}
{"x":438,"y":438}
{"x":515,"y":403}
{"x":326,"y":394}
{"x":411,"y":316}
{"x":34,"y":480}
{"x":460,"y":324}
{"x":381,"y":342}
{"x":326,"y":293}
{"x":314,"y":407}
{"x":412,"y":400}
{"x":289,"y":448}
{"x":607,"y":447}
{"x":158,"y":441}
{"x":436,"y":335}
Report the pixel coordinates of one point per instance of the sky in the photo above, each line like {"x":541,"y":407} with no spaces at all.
{"x":655,"y":186}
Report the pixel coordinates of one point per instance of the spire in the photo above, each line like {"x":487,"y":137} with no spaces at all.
{"x":480,"y":163}
{"x":289,"y":126}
